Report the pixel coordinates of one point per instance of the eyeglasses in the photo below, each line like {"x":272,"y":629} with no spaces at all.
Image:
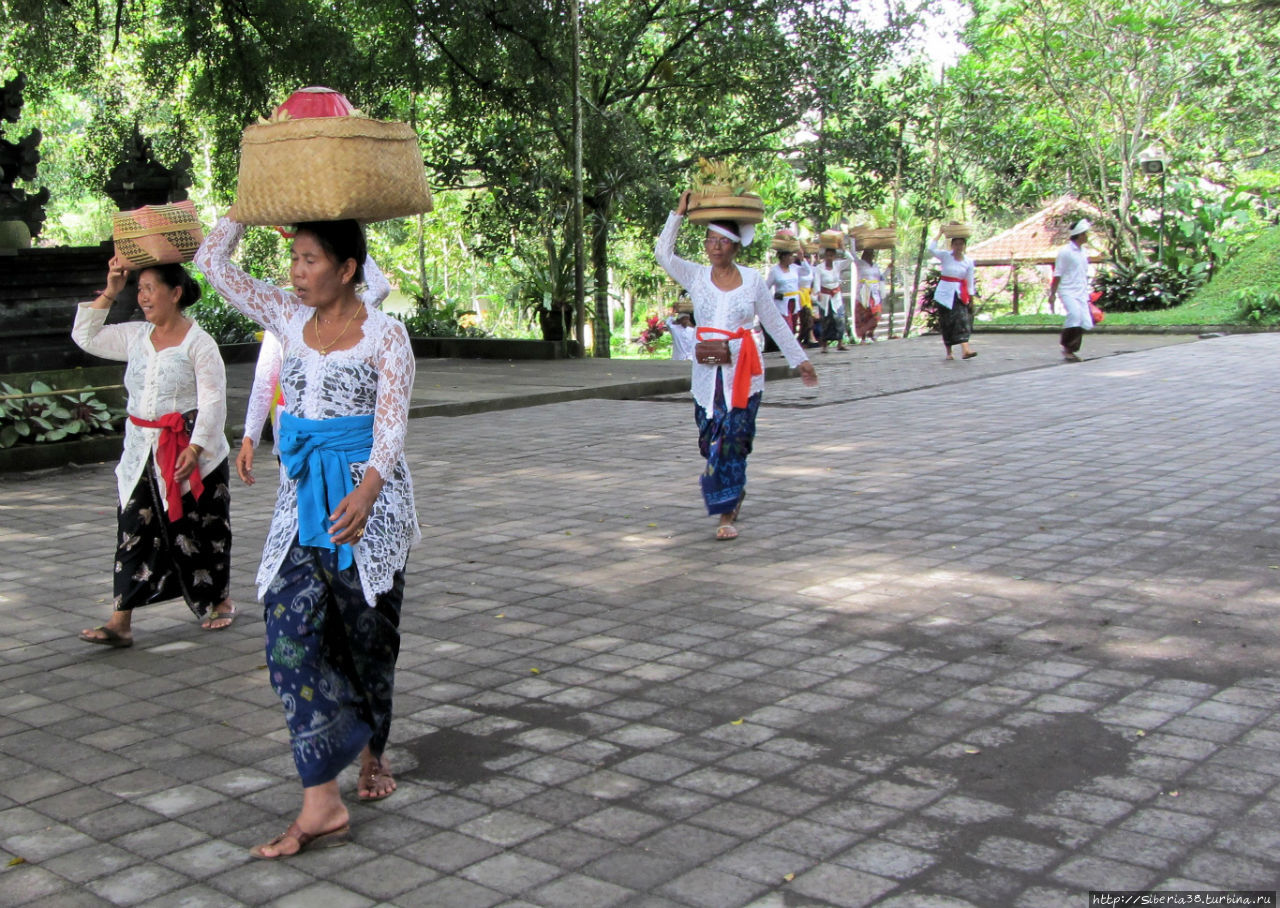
{"x":718,"y":241}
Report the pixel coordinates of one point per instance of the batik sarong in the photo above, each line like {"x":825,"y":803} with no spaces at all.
{"x":725,"y":437}
{"x":188,"y":558}
{"x":332,"y":659}
{"x":955,"y":323}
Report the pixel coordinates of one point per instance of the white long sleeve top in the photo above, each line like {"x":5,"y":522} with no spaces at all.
{"x":828,"y":284}
{"x":870,"y":283}
{"x":728,"y":310}
{"x":179,"y":379}
{"x":267,"y":372}
{"x":950,"y":266}
{"x":373,"y":377}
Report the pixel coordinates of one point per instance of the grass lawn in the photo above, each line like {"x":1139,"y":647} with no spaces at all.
{"x":1215,"y":311}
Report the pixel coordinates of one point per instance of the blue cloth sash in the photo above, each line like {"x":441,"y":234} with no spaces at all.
{"x":318,"y":453}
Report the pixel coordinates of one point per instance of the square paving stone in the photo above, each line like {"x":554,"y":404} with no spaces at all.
{"x":450,"y":892}
{"x":330,"y":895}
{"x":504,"y":827}
{"x":886,"y":859}
{"x":385,"y":877}
{"x":449,"y":851}
{"x":1016,"y":854}
{"x":567,"y":848}
{"x":707,"y":888}
{"x":576,"y":889}
{"x":136,"y":884}
{"x":841,"y":886}
{"x":510,"y":873}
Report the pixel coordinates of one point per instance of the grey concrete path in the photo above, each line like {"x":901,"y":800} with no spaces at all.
{"x":997,"y":641}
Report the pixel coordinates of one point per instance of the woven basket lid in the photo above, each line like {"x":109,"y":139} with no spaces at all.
{"x":956,"y":230}
{"x":786,"y":241}
{"x":316,"y":101}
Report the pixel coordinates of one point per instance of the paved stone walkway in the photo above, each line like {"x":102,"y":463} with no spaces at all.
{"x":998,"y":641}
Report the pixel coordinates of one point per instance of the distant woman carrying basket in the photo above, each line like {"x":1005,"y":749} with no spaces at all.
{"x":727,"y":299}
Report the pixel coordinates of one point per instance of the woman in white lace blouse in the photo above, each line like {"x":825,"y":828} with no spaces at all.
{"x":332,"y":574}
{"x":727,"y":299}
{"x":266,"y":374}
{"x":174,"y":515}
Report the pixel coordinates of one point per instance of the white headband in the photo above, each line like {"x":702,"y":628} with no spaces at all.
{"x":748,"y":232}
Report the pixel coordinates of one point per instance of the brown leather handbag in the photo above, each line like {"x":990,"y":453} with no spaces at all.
{"x":712,"y":352}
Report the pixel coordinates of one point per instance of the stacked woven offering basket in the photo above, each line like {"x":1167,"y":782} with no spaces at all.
{"x":319,"y":159}
{"x":723,"y":205}
{"x":876,"y":237}
{"x":957,"y":231}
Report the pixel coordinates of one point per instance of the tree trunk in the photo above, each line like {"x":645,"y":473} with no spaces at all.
{"x":915,"y":283}
{"x":600,"y":266}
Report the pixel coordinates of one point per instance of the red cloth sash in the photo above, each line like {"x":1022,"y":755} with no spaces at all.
{"x":964,"y":287}
{"x":747,"y":366}
{"x":173,"y":441}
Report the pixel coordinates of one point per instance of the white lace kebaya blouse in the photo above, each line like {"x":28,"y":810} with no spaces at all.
{"x":179,"y":379}
{"x":375,"y":376}
{"x":266,"y":374}
{"x":727,"y":310}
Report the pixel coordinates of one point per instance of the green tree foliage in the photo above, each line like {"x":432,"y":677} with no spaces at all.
{"x":1071,"y":91}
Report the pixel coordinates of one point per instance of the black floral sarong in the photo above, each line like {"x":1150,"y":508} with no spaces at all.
{"x":188,"y":559}
{"x":955,"y":323}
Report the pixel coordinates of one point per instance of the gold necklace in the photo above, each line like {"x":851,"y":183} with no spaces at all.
{"x":325,"y":348}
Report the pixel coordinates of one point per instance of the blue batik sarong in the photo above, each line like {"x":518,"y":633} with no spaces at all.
{"x":724,"y":438}
{"x":332,"y":660}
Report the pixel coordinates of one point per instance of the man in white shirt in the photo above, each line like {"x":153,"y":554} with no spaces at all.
{"x":1071,"y":283}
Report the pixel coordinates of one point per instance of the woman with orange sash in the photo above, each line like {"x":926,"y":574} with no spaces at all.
{"x":174,"y":514}
{"x":727,"y":299}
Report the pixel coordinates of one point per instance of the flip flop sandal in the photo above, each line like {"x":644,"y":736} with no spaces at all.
{"x":229,"y":617}
{"x":726,"y":532}
{"x":971,"y":354}
{"x":109,"y":638}
{"x":334,"y":838}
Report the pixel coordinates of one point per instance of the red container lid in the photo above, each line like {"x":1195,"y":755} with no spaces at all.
{"x":316,"y":101}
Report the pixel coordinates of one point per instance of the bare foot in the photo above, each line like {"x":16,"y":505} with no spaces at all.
{"x":376,"y":781}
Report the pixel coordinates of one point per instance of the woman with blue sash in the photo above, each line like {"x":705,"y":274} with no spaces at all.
{"x":332,"y":574}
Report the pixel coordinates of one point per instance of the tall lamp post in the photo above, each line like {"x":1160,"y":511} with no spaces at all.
{"x":1152,"y":161}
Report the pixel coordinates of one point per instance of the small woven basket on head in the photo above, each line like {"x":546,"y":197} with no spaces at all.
{"x":878,"y":238}
{"x":330,"y":169}
{"x":157,"y":234}
{"x":831,"y":239}
{"x":705,"y":207}
{"x":957,"y":231}
{"x":785,"y":241}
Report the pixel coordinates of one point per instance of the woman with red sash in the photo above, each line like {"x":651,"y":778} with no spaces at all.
{"x":954,"y":295}
{"x":727,"y":299}
{"x":174,"y":512}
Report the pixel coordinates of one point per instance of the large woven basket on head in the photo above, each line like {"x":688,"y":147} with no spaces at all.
{"x":705,"y":207}
{"x":957,"y":231}
{"x":878,"y":238}
{"x":329,"y":169}
{"x":157,"y":234}
{"x":831,"y":239}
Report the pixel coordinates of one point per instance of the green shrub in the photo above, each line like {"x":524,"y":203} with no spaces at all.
{"x":43,"y":414}
{"x":1260,"y":305}
{"x":436,"y":317}
{"x":224,"y":324}
{"x":1146,"y":286}
{"x":1256,"y":265}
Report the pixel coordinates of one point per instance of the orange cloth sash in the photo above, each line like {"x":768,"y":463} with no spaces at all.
{"x":747,"y":366}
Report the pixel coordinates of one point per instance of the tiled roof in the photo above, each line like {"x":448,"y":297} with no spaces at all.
{"x":1039,"y":237}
